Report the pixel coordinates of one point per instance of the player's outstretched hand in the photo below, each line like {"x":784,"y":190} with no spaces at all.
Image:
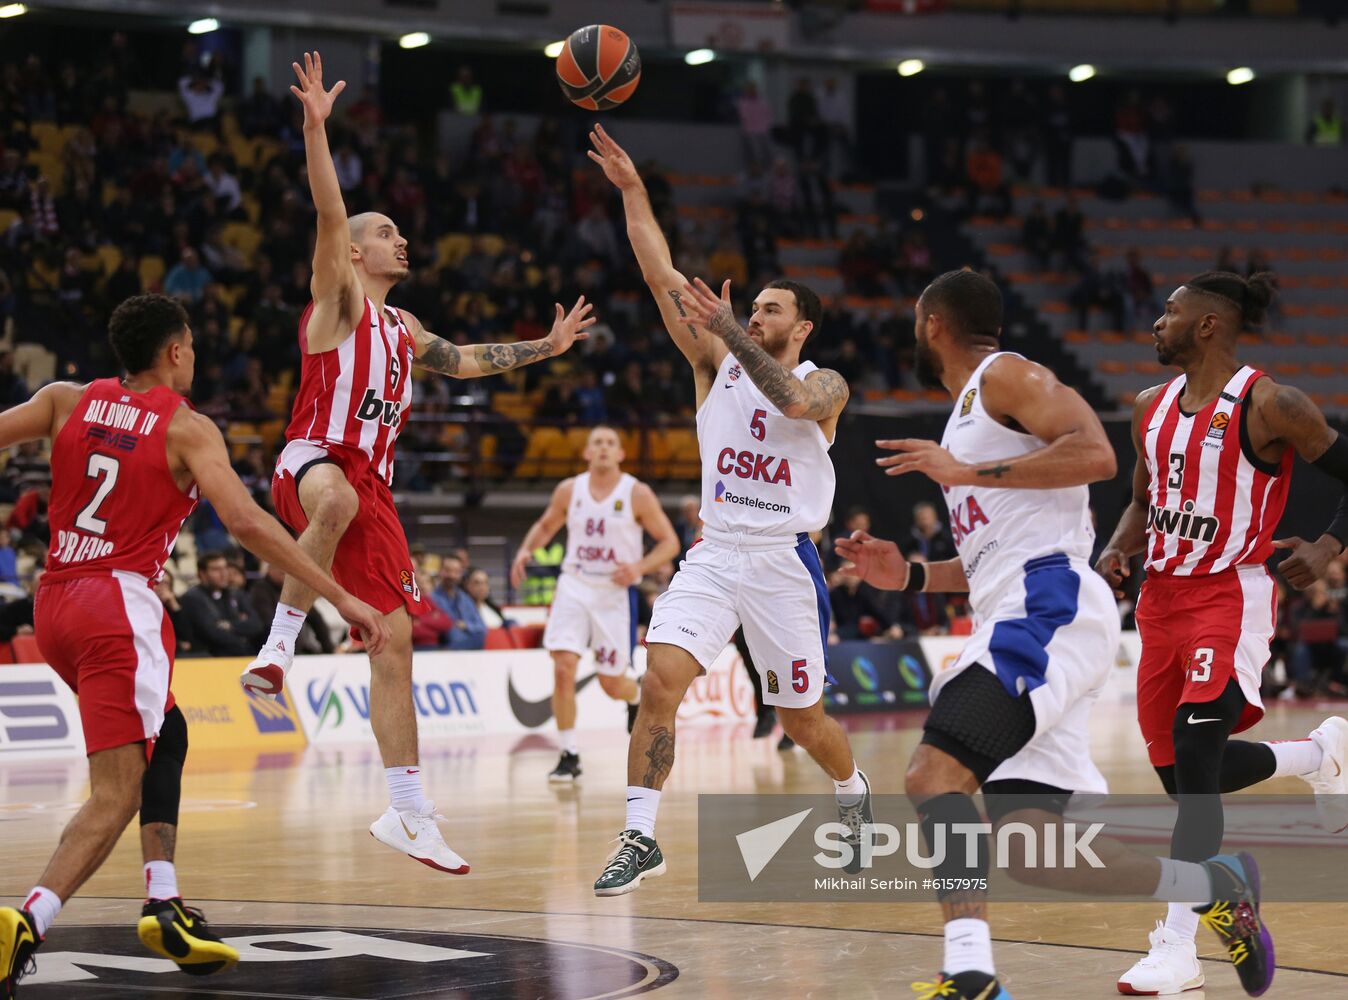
{"x":317,"y":101}
{"x":517,"y":568}
{"x":872,"y":560}
{"x":915,"y":455}
{"x":1307,"y":562}
{"x":1114,"y":566}
{"x":617,"y":165}
{"x":713,"y":313}
{"x":374,"y":630}
{"x":570,"y":327}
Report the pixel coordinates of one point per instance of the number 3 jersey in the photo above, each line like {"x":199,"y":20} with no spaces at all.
{"x":602,"y":534}
{"x":114,"y":502}
{"x":1212,"y":503}
{"x":762,"y":473}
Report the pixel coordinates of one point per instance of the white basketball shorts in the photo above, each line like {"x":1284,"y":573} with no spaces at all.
{"x":593,"y":615}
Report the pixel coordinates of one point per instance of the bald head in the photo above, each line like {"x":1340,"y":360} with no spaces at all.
{"x":360,"y":225}
{"x":377,"y":247}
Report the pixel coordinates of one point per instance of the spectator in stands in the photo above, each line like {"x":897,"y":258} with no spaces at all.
{"x":13,"y":389}
{"x":929,"y":537}
{"x":755,"y":118}
{"x":465,"y":93}
{"x":1069,"y":233}
{"x":1179,"y":184}
{"x":260,"y":113}
{"x":804,"y":129}
{"x":1326,"y":126}
{"x":9,"y":561}
{"x":1139,"y":300}
{"x":201,"y":93}
{"x":183,"y":632}
{"x":856,"y":615}
{"x":1131,"y":140}
{"x":1036,"y":235}
{"x":835,"y":118}
{"x":1316,"y":662}
{"x":988,"y":187}
{"x":590,"y":402}
{"x":222,"y":617}
{"x":468,"y":631}
{"x":28,"y":519}
{"x":1098,"y":287}
{"x":925,"y":613}
{"x":1020,"y":127}
{"x":430,"y":629}
{"x":478,"y":586}
{"x":224,"y":187}
{"x":265,"y":594}
{"x":188,"y":279}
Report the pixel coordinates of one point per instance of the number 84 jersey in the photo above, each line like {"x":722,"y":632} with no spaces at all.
{"x":762,"y":473}
{"x":114,"y":502}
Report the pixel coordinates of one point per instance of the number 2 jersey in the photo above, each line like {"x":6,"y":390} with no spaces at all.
{"x":114,"y":502}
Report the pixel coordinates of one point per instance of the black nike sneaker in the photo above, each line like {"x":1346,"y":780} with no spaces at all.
{"x":635,"y":858}
{"x":962,"y":986}
{"x":1233,"y":915}
{"x":567,"y":769}
{"x":18,"y":940}
{"x":178,"y":932}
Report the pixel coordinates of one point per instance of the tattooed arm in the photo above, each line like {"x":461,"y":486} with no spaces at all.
{"x":475,"y":360}
{"x":821,"y":395}
{"x":1025,"y":397}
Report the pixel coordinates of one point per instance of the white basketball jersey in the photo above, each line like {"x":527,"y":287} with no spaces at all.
{"x":601,"y":534}
{"x":762,"y":473}
{"x":998,"y":531}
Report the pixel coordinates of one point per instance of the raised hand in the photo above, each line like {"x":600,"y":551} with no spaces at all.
{"x":872,"y":560}
{"x":617,"y":165}
{"x":569,"y":327}
{"x":317,"y":101}
{"x":713,"y":314}
{"x":928,"y":457}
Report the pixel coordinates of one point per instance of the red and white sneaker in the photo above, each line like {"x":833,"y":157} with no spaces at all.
{"x":415,"y":833}
{"x":266,"y":675}
{"x":1171,"y":966}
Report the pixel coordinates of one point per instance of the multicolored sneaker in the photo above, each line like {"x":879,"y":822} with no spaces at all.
{"x":1233,"y":916}
{"x":962,"y":986}
{"x":854,"y":817}
{"x":179,"y":932}
{"x":635,"y":858}
{"x":18,"y":940}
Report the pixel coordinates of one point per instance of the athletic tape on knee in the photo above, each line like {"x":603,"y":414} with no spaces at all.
{"x":950,"y":825}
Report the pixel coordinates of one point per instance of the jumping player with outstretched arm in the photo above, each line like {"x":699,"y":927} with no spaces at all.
{"x":332,"y":479}
{"x":765,"y":422}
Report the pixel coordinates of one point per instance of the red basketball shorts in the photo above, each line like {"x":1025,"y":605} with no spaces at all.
{"x":372,"y":560}
{"x":110,"y":640}
{"x":1198,"y":633}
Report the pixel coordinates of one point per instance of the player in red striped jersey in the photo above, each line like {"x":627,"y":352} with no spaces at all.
{"x":129,"y":457}
{"x":1214,"y":461}
{"x":332,"y":479}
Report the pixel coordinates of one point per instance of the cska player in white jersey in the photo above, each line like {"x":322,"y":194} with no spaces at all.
{"x":606,"y":512}
{"x":332,"y":478}
{"x":1011,"y":716}
{"x":765,"y":422}
{"x":1214,"y":462}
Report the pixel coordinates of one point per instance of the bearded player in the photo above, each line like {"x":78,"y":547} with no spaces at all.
{"x":332,"y":479}
{"x":1214,"y":463}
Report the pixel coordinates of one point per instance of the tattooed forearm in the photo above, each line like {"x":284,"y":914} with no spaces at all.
{"x":503,"y":357}
{"x":774,"y":381}
{"x":439,"y":355}
{"x":995,"y":471}
{"x":661,"y":757}
{"x":677,"y":296}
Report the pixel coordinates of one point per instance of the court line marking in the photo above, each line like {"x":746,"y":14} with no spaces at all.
{"x":698,"y":920}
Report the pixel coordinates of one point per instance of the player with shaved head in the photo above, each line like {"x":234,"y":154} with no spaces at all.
{"x":332,"y":479}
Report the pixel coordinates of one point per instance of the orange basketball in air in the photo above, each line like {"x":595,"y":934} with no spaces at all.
{"x":599,"y":67}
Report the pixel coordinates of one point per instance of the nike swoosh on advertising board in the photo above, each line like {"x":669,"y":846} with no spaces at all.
{"x":534,"y":713}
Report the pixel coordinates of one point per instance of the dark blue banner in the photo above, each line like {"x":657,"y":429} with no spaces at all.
{"x":876,"y":676}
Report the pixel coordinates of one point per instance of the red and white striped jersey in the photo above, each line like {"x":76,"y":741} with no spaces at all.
{"x":114,"y":502}
{"x":357,"y":395}
{"x":1212,"y":504}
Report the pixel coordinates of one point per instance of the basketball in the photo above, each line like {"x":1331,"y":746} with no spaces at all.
{"x":599,"y":67}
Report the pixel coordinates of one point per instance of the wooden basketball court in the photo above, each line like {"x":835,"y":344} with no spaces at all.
{"x":275,"y":850}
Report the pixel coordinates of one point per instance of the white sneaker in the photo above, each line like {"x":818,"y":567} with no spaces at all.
{"x":1170,"y":967}
{"x":1330,"y":782}
{"x":266,"y":675}
{"x":415,"y":834}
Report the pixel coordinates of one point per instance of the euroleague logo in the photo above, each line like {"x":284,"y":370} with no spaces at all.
{"x":1217,"y":429}
{"x":409,"y":584}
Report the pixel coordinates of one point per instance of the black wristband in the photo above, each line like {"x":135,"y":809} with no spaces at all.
{"x":1338,"y":528}
{"x":917,"y":577}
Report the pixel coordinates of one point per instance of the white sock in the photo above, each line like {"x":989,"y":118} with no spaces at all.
{"x":1181,"y":919}
{"x":161,"y":880}
{"x":1183,"y":880}
{"x":642,"y":804}
{"x":968,"y":947}
{"x":44,"y":905}
{"x":851,"y":790}
{"x":404,"y":788}
{"x":568,"y":740}
{"x":1295,"y":757}
{"x":285,"y":628}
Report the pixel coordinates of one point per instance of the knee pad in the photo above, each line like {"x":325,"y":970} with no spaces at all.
{"x":944,"y":811}
{"x":162,"y":786}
